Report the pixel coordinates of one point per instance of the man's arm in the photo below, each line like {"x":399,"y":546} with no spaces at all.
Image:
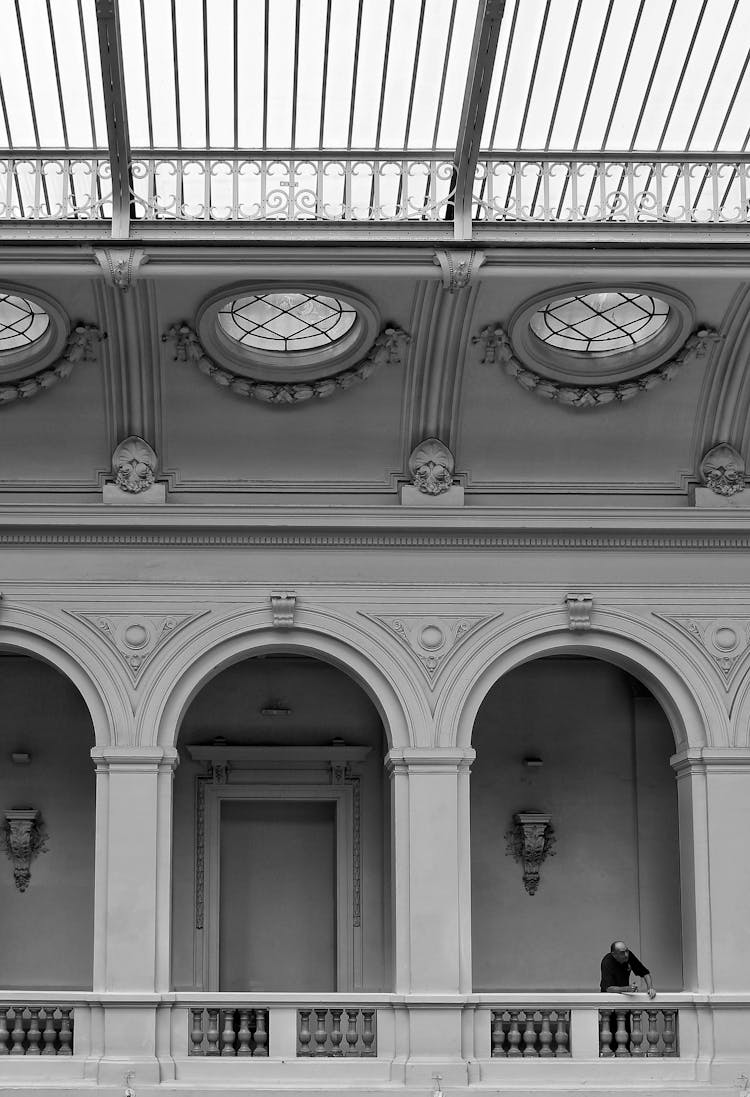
{"x":640,"y":969}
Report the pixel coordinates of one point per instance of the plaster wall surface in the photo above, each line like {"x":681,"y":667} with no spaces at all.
{"x":608,"y":786}
{"x":48,"y":929}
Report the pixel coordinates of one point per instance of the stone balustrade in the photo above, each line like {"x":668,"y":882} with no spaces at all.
{"x":533,"y":1033}
{"x":229,"y":1031}
{"x":636,"y":1033}
{"x":36,"y":1030}
{"x":336,"y":1031}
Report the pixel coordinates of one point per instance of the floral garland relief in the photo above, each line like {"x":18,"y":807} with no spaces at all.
{"x":496,"y":349}
{"x":386,"y":350}
{"x":78,"y":348}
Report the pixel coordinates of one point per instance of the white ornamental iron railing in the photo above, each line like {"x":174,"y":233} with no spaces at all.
{"x":36,"y":1030}
{"x":297,"y":186}
{"x":530,"y":1033}
{"x":638,"y":1033}
{"x":612,"y":188}
{"x":229,"y":1032}
{"x":347,"y":1031}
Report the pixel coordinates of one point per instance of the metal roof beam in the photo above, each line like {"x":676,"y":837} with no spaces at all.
{"x":481,"y":65}
{"x":115,"y":108}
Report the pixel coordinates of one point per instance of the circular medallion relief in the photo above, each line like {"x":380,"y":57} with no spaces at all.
{"x":33,"y":329}
{"x":588,"y":335}
{"x":289,"y":332}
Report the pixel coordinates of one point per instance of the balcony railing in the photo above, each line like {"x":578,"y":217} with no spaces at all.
{"x":582,"y":188}
{"x":36,"y":1030}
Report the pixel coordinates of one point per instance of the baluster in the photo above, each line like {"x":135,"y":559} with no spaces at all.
{"x":227,"y":1034}
{"x":49,"y":1035}
{"x":34,"y":1034}
{"x":652,"y":1033}
{"x":636,"y":1033}
{"x":336,"y":1033}
{"x":621,"y":1034}
{"x":529,"y":1033}
{"x":304,"y":1035}
{"x":244,"y":1036}
{"x":212,"y":1032}
{"x":66,"y":1032}
{"x":605,"y":1034}
{"x":196,"y":1032}
{"x":352,"y":1035}
{"x":4,"y":1030}
{"x":561,"y":1033}
{"x":321,"y":1032}
{"x":498,"y":1033}
{"x":514,"y":1036}
{"x":368,"y":1033}
{"x":545,"y":1035}
{"x":670,"y":1031}
{"x":260,"y":1035}
{"x":18,"y":1034}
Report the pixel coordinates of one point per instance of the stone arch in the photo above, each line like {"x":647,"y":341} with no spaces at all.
{"x":681,"y":686}
{"x":46,"y":638}
{"x":320,"y":634}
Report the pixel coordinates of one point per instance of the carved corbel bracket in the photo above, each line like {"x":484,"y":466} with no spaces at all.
{"x":579,"y":611}
{"x":458,"y":267}
{"x":24,"y":839}
{"x":134,"y":467}
{"x":283,"y":606}
{"x":530,"y":841}
{"x":120,"y":264}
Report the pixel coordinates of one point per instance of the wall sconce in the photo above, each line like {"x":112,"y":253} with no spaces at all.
{"x":24,"y":839}
{"x":530,"y":841}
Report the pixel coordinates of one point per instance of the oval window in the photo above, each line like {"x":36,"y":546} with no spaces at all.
{"x":22,"y":322}
{"x":600,"y":323}
{"x":287,"y":321}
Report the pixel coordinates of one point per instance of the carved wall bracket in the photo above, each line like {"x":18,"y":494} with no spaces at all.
{"x":24,"y":838}
{"x":431,"y":465}
{"x":459,"y":267}
{"x":386,"y":350}
{"x":120,"y":264}
{"x":78,"y":348}
{"x":530,"y":841}
{"x":134,"y":465}
{"x":722,"y":470}
{"x":283,"y":606}
{"x":579,"y":611}
{"x":497,"y":349}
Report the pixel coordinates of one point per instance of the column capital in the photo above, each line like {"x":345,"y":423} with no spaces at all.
{"x":710,"y":760}
{"x":134,"y":759}
{"x":428,"y":759}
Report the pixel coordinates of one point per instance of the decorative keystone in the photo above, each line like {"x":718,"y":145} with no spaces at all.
{"x":431,"y":465}
{"x":134,"y":467}
{"x":24,"y":839}
{"x":283,"y":605}
{"x":579,"y":611}
{"x":458,"y":267}
{"x":530,"y":841}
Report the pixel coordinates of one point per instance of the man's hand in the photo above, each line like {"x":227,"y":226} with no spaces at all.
{"x":651,"y":992}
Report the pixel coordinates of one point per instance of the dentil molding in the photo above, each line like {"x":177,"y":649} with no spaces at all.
{"x":429,"y":638}
{"x":725,"y":640}
{"x":386,"y":350}
{"x":136,"y":637}
{"x":78,"y":348}
{"x":496,"y":349}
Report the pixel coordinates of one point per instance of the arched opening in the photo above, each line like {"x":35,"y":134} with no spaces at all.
{"x":47,"y":796}
{"x":583,"y":743}
{"x":280,"y":832}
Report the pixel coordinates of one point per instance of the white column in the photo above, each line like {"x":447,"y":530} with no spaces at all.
{"x":432,"y":902}
{"x":132,"y":901}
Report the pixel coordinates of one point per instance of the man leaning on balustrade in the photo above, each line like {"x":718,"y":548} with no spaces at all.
{"x":619,"y":967}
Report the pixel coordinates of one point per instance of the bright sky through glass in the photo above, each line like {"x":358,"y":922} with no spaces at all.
{"x":381,"y":74}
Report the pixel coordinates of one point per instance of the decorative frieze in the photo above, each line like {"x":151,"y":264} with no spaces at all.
{"x":429,"y":638}
{"x":496,"y":349}
{"x":24,"y":838}
{"x":530,"y":841}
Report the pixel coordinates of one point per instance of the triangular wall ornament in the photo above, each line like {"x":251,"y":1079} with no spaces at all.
{"x":428,"y":637}
{"x":725,"y":640}
{"x":136,"y":637}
